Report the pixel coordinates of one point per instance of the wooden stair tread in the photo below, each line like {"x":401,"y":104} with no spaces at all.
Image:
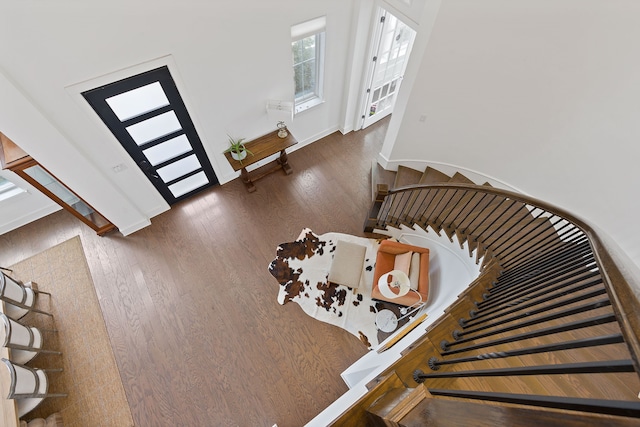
{"x":397,"y":403}
{"x":357,"y":413}
{"x":406,"y":176}
{"x":459,"y":178}
{"x":459,"y":412}
{"x":389,"y":401}
{"x":433,"y":176}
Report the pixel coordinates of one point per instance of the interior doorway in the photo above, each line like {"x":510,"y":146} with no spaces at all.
{"x":150,"y":120}
{"x":392,"y":43}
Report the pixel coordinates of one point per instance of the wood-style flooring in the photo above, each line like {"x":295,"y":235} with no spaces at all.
{"x":190,"y":307}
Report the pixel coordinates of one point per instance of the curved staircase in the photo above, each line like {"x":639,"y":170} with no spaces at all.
{"x":546,"y":330}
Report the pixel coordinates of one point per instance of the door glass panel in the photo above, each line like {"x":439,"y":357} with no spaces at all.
{"x":138,"y":101}
{"x":390,"y":99}
{"x":168,"y":150}
{"x":403,"y":49}
{"x":154,"y":128}
{"x":376,"y":95}
{"x":177,"y":169}
{"x":189,"y":184}
{"x":385,"y":88}
{"x":393,"y":86}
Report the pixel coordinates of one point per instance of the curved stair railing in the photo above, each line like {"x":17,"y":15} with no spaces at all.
{"x":552,"y":323}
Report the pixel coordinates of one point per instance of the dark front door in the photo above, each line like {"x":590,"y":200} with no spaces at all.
{"x":147,"y":115}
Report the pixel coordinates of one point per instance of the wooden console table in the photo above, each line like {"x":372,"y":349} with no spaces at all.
{"x":262,"y":148}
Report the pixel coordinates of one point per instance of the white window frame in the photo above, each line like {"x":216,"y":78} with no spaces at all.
{"x":8,"y":189}
{"x":313,"y":28}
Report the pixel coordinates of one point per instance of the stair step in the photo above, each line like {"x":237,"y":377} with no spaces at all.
{"x":440,"y":412}
{"x":406,"y":176}
{"x":433,"y":176}
{"x":396,"y":404}
{"x":456,"y":199}
{"x":459,"y":178}
{"x":357,"y":414}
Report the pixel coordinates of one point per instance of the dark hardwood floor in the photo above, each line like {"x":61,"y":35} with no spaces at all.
{"x":191,"y":308}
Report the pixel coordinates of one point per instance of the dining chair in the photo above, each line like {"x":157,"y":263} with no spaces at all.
{"x":24,"y":341}
{"x":28,"y":386}
{"x":19,"y":298}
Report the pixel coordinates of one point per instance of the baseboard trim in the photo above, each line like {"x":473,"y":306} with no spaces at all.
{"x":30,"y":217}
{"x":301,"y":144}
{"x":135,"y":227}
{"x":139,"y":225}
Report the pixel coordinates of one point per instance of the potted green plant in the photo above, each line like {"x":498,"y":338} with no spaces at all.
{"x":237,"y":149}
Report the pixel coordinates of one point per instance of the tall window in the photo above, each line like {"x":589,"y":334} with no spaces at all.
{"x":307,"y":47}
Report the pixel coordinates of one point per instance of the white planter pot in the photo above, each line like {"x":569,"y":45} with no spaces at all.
{"x":240,"y":156}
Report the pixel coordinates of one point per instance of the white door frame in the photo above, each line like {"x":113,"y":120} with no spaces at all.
{"x":381,"y":17}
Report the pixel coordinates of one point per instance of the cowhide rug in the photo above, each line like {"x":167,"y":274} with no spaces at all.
{"x":302,"y":268}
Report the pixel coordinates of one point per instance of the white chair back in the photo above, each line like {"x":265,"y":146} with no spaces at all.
{"x":19,"y":299}
{"x":28,"y":386}
{"x":25,"y":341}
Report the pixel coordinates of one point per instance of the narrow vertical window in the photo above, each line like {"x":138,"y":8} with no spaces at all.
{"x":307,"y":46}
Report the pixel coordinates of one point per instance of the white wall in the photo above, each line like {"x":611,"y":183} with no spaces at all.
{"x":26,"y":126}
{"x":230,"y":57}
{"x":543,"y":95}
{"x":24,"y":207}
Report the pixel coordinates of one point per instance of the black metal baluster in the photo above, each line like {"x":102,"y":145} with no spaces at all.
{"x":503,"y":288}
{"x":479,"y":212}
{"x":552,"y":237}
{"x":481,"y":197}
{"x":546,"y":295}
{"x":486,"y":214}
{"x":457,"y":205}
{"x":607,"y":366}
{"x":423,"y":207}
{"x":579,"y":248}
{"x":504,"y":211}
{"x":461,"y":337}
{"x":429,"y":215}
{"x":530,"y":289}
{"x":435,"y":363}
{"x":447,"y":205}
{"x":600,"y":406}
{"x":507,"y":230}
{"x":580,"y":324}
